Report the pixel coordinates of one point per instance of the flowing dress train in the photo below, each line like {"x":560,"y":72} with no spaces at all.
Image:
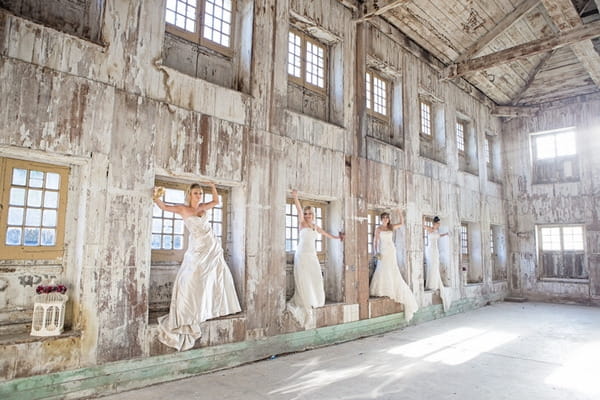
{"x":309,"y":291}
{"x":203,"y":288}
{"x":434,"y":277}
{"x":387,"y":279}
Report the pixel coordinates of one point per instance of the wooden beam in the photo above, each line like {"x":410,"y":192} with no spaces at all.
{"x":373,"y":8}
{"x":565,"y":17}
{"x":531,"y":77}
{"x":511,"y":111}
{"x":506,"y":23}
{"x":586,"y":32}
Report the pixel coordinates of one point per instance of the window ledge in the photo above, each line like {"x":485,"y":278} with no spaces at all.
{"x":322,"y":121}
{"x":565,"y":280}
{"x":12,"y":339}
{"x":383,"y":142}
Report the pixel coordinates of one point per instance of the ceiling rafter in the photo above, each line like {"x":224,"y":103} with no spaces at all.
{"x":531,"y":77}
{"x":584,"y":32}
{"x":506,"y":23}
{"x":565,"y":17}
{"x":373,"y":8}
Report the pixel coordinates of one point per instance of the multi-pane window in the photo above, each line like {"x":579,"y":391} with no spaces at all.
{"x":486,"y":151}
{"x":307,"y":60}
{"x":555,"y":156}
{"x":562,"y":251}
{"x":374,"y":220}
{"x":460,"y":136}
{"x":208,"y":22}
{"x":552,"y":145}
{"x":169,"y":237}
{"x":32,"y":220}
{"x":426,"y":118}
{"x":562,"y":238}
{"x":292,"y":226}
{"x":464,"y":240}
{"x":377,"y":90}
{"x":492,"y":246}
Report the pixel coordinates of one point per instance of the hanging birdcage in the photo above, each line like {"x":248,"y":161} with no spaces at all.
{"x":48,"y":314}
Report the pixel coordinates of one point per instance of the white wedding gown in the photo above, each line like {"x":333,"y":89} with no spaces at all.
{"x":203,"y":288}
{"x":387,"y":279}
{"x":434,"y":277}
{"x":309,"y":292}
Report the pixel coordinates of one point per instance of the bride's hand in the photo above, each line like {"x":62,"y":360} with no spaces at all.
{"x":158,"y":192}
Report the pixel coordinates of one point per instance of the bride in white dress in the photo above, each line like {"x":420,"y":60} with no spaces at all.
{"x":309,"y":291}
{"x":434,"y":277}
{"x":203,"y":288}
{"x":387,"y":279}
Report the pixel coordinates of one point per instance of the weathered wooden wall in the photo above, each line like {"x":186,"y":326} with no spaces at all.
{"x":121,"y":118}
{"x":532,"y":204}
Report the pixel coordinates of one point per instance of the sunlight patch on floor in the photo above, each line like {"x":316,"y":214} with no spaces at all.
{"x":581,"y":372}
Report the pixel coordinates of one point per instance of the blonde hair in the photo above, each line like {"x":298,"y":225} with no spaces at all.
{"x":385,"y":214}
{"x":308,"y":208}
{"x":188,"y":192}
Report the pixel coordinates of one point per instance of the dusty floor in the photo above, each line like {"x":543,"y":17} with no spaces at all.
{"x":505,"y":351}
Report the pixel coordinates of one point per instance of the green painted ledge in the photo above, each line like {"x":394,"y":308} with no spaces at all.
{"x":137,"y":373}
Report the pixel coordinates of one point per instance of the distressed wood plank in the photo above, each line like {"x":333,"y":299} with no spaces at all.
{"x":589,"y":31}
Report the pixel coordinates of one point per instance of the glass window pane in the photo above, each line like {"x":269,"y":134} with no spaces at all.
{"x":49,"y":218}
{"x":33,"y":217}
{"x":170,"y":17}
{"x":52,"y":181}
{"x":13,"y":236}
{"x":48,"y":237}
{"x":178,"y":227}
{"x":51,"y":199}
{"x":156,"y":225}
{"x":15,"y":215}
{"x":17,"y":197}
{"x":167,"y":226}
{"x":36,"y":179}
{"x":156,"y":240}
{"x":19,"y":177}
{"x":565,"y":144}
{"x":573,"y":238}
{"x":178,"y":242}
{"x":32,"y":237}
{"x":544,"y":146}
{"x":167,"y":242}
{"x":551,"y":239}
{"x":34,"y":198}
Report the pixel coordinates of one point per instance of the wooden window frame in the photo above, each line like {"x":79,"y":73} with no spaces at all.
{"x":173,"y":256}
{"x":370,"y":87}
{"x":562,"y":251}
{"x":39,"y":252}
{"x":373,"y":220}
{"x":301,"y":81}
{"x":423,"y":133}
{"x":198,"y":35}
{"x":322,"y":255}
{"x":465,"y":242}
{"x":464,"y":124}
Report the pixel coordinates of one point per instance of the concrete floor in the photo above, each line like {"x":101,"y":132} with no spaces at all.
{"x":505,"y":351}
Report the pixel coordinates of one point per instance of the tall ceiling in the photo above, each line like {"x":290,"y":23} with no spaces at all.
{"x":517,"y":52}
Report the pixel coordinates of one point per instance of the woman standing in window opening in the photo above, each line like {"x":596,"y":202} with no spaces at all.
{"x":434,"y":277}
{"x":309,"y":291}
{"x":203,"y":288}
{"x":387,"y":279}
